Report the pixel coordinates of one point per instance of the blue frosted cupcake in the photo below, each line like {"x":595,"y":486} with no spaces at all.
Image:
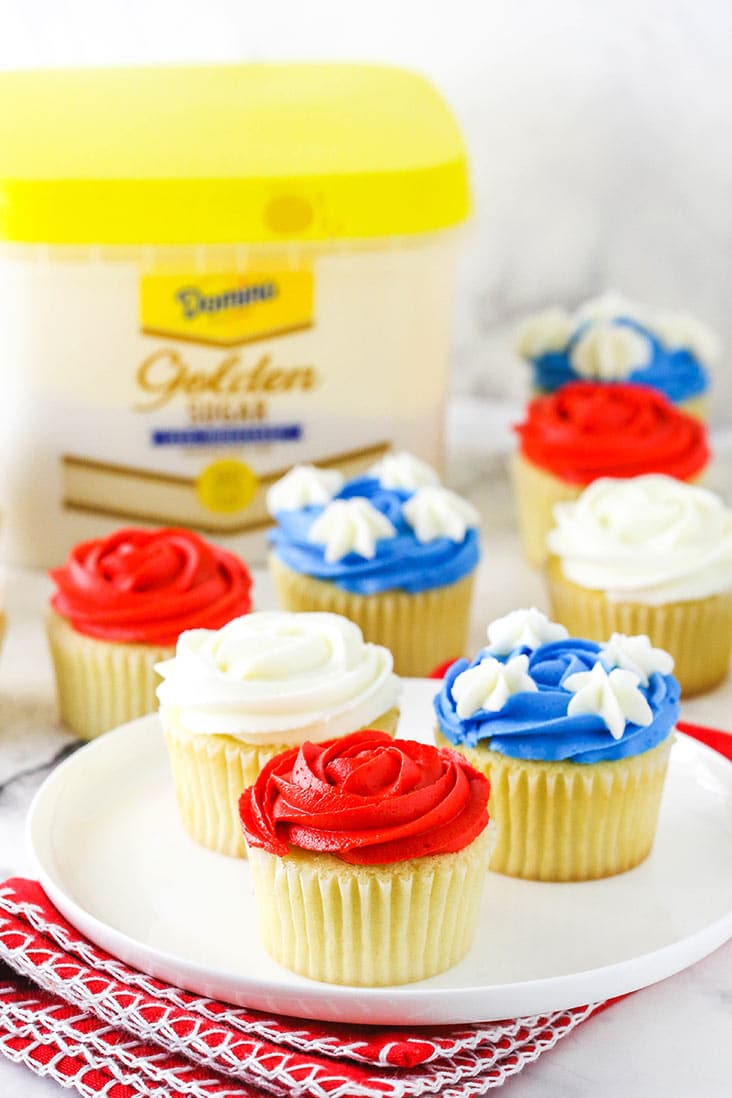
{"x":610,"y":339}
{"x":392,"y":550}
{"x":575,"y":739}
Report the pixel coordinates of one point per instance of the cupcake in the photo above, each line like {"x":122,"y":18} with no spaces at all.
{"x":585,"y":431}
{"x":648,"y":555}
{"x":368,"y":858}
{"x":393,"y":550}
{"x":574,"y":737}
{"x":120,"y":604}
{"x":232,"y":699}
{"x":610,"y":340}
{"x":3,"y":619}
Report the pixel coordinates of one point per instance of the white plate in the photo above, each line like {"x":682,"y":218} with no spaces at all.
{"x":112,"y":855}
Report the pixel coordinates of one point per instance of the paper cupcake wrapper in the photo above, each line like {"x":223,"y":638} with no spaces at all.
{"x":369,"y":925}
{"x":210,"y":773}
{"x":421,"y":630}
{"x":101,"y":684}
{"x":696,"y":406}
{"x":536,"y":493}
{"x":564,"y":821}
{"x":697,"y":632}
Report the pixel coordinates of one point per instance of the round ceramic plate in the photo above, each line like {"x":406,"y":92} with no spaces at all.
{"x":112,"y":855}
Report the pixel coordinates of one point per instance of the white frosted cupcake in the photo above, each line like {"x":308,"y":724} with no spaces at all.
{"x":233,"y":698}
{"x":392,"y":550}
{"x":648,"y":555}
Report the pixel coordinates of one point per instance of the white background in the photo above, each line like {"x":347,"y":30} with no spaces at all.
{"x":600,"y":134}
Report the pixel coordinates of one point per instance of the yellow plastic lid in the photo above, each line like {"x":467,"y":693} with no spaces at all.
{"x":211,"y":154}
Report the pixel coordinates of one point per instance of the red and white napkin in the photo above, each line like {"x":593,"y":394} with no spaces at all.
{"x":72,"y":1012}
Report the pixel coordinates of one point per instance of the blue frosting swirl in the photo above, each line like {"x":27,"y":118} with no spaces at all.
{"x":535,"y":724}
{"x":401,"y":563}
{"x":676,"y":372}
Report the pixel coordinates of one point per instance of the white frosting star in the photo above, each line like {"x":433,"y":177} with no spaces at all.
{"x":523,"y":628}
{"x":610,"y":351}
{"x":610,"y":306}
{"x":350,"y":526}
{"x":436,"y":512}
{"x":403,"y":470}
{"x":549,"y":330}
{"x":614,"y":696}
{"x":490,"y":684}
{"x":303,"y":486}
{"x":636,"y":654}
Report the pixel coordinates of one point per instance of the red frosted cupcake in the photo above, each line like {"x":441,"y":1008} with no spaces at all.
{"x":120,"y":604}
{"x":585,"y":431}
{"x":368,"y":857}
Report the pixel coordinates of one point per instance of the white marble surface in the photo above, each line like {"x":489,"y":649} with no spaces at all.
{"x":669,"y":1041}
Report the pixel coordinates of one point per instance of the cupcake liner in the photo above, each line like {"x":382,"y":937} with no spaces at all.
{"x":421,"y":630}
{"x":101,"y":684}
{"x":369,"y":925}
{"x":697,"y":632}
{"x":696,"y":406}
{"x":210,"y":773}
{"x":536,"y":493}
{"x":565,"y":821}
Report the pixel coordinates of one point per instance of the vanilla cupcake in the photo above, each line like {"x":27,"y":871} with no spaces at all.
{"x":3,"y":619}
{"x":393,"y":550}
{"x":233,"y":699}
{"x":120,"y":604}
{"x":648,"y":555}
{"x":368,"y":858}
{"x":574,"y":737}
{"x":610,"y":339}
{"x":589,"y":430}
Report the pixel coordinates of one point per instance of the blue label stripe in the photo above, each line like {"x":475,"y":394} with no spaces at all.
{"x":208,"y":436}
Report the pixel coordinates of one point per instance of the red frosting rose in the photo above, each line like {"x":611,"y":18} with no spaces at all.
{"x":586,"y":430}
{"x":366,"y":798}
{"x":147,"y":586}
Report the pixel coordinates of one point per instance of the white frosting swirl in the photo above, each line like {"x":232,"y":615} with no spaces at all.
{"x":610,"y":351}
{"x":350,"y":526}
{"x":490,"y":684}
{"x":303,"y":486}
{"x":650,"y":539}
{"x":274,"y":677}
{"x":549,"y":330}
{"x":614,"y":696}
{"x":403,"y":470}
{"x":523,"y":629}
{"x":436,"y":512}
